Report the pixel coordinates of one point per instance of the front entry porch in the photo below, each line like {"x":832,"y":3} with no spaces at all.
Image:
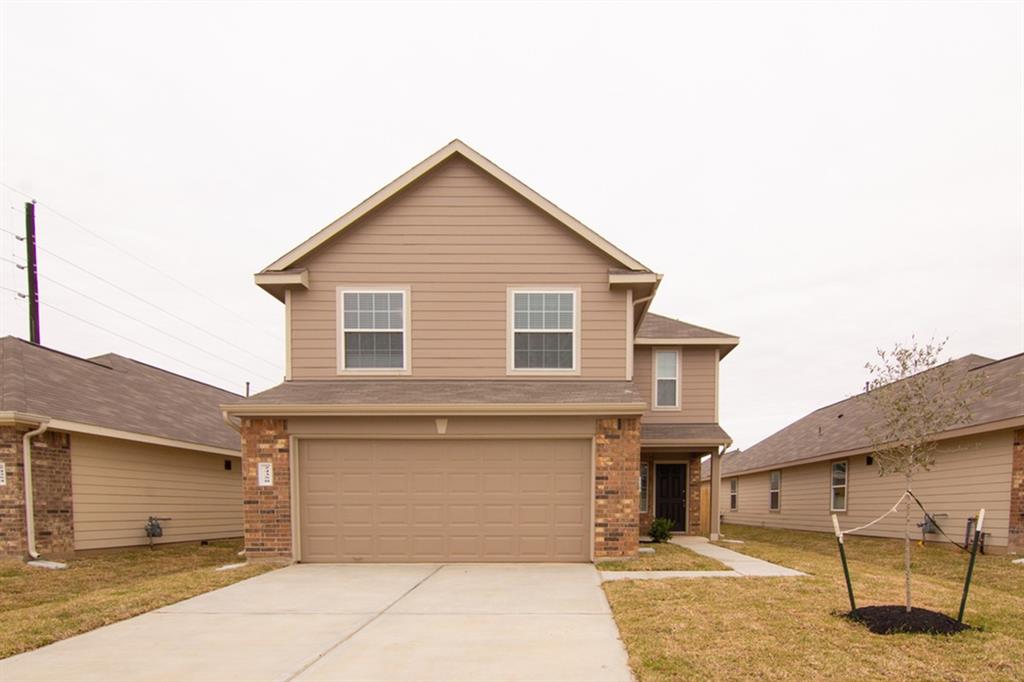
{"x":670,"y":488}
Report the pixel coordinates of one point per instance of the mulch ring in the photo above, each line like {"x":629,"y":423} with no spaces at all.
{"x":892,"y":619}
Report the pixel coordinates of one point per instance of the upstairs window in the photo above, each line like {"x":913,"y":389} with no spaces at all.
{"x":839,"y":478}
{"x":666,"y":379}
{"x":544,"y":330}
{"x":373,"y":334}
{"x":775,"y":491}
{"x":734,"y":485}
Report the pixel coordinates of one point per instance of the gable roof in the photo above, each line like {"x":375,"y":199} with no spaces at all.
{"x":454,"y":147}
{"x":112,"y":392}
{"x":840,"y":428}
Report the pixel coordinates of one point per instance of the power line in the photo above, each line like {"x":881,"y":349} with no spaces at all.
{"x":143,"y":322}
{"x":144,"y":262}
{"x":130,"y":340}
{"x":147,"y":302}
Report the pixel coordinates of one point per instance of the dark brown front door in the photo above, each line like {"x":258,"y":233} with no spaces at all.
{"x":670,"y":494}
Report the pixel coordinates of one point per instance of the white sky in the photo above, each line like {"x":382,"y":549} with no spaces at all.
{"x":820,"y":179}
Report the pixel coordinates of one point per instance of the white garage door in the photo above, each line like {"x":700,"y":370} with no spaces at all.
{"x":444,"y":500}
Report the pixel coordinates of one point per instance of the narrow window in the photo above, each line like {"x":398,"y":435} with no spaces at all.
{"x":839,"y":482}
{"x":373,"y":330}
{"x":644,"y":474}
{"x":734,"y":485}
{"x":544,"y":330}
{"x":666,"y":379}
{"x":775,"y":490}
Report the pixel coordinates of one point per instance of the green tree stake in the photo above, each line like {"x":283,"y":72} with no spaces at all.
{"x":970,"y":565}
{"x":842,"y":557}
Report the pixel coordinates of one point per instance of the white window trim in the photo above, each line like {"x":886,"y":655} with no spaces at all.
{"x":678,"y":407}
{"x":734,"y":494}
{"x":645,"y":508}
{"x":406,"y":330}
{"x":832,"y":486}
{"x":774,"y":490}
{"x":510,"y":344}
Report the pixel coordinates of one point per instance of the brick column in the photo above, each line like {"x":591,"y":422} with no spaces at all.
{"x":266,"y":509}
{"x":693,"y":496}
{"x":51,"y":483}
{"x":617,"y":487}
{"x":1016,"y":543}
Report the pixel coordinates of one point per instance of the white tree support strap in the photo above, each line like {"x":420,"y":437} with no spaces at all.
{"x":841,"y":533}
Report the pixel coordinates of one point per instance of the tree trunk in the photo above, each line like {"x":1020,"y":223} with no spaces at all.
{"x":906,"y":545}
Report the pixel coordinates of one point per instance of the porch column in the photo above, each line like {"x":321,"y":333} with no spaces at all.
{"x":716,"y":495}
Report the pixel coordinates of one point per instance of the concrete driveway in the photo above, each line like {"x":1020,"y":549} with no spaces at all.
{"x":359,"y":622}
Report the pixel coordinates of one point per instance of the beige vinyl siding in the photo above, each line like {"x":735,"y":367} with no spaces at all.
{"x":459,"y":240}
{"x":969,"y":473}
{"x":117,"y":485}
{"x":697,"y":368}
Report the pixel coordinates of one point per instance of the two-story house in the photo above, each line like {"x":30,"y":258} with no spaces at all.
{"x":473,"y":375}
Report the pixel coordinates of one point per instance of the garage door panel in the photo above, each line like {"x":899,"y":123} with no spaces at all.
{"x":442,"y":500}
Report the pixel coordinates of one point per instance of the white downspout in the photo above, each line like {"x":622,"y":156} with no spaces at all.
{"x":30,"y":510}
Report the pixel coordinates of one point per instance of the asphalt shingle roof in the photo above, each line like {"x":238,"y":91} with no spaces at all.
{"x":660,"y":327}
{"x":840,"y":427}
{"x":114,"y":392}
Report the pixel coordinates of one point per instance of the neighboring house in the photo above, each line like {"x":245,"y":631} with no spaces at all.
{"x":822,"y":464}
{"x":473,"y":375}
{"x":123,"y":441}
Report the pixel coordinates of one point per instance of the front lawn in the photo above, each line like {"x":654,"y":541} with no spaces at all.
{"x":666,"y":557}
{"x":790,"y":628}
{"x":40,"y":606}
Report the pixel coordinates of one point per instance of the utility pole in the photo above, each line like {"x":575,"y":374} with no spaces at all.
{"x":32,"y":270}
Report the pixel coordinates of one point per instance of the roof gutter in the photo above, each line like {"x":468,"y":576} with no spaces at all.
{"x":30,"y":510}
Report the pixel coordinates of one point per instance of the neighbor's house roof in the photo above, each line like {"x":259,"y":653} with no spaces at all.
{"x":442,"y":397}
{"x":289,"y":260}
{"x":660,"y":330}
{"x":839,"y":429}
{"x":111,"y":395}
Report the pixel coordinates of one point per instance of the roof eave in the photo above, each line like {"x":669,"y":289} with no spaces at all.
{"x":276,"y":283}
{"x":433,"y":409}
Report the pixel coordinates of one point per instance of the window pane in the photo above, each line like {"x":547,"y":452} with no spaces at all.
{"x":839,"y":473}
{"x":351,"y":318}
{"x":643,"y":486}
{"x":839,"y":498}
{"x":520,"y":302}
{"x":374,"y":350}
{"x":775,"y":480}
{"x":774,"y":500}
{"x":565,"y":320}
{"x":370,"y":310}
{"x":395,"y":301}
{"x":733,"y":485}
{"x":667,"y":365}
{"x":666,"y":392}
{"x":543,"y":350}
{"x":350,"y":301}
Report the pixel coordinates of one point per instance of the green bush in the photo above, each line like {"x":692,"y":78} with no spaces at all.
{"x":661,"y":529}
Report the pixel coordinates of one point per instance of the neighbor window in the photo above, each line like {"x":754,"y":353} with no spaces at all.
{"x":544,"y":330}
{"x":775,"y":490}
{"x":644,"y":477}
{"x":666,"y":379}
{"x":839,"y":478}
{"x":373,"y":334}
{"x":734,"y":485}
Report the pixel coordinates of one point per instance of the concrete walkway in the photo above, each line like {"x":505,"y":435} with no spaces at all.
{"x":740,"y":565}
{"x":383,"y":622}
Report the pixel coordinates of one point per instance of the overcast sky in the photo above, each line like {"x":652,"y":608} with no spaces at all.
{"x":819,"y":179}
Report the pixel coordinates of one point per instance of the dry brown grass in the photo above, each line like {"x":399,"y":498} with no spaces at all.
{"x":42,"y":606}
{"x":667,"y":557}
{"x":791,"y":628}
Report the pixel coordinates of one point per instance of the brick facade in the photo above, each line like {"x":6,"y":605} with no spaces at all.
{"x":616,"y":487}
{"x":693,"y":492}
{"x":51,"y":483}
{"x":267,"y":514}
{"x":1016,"y":539}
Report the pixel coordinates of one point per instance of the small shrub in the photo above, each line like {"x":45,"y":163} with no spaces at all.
{"x":661,"y":529}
